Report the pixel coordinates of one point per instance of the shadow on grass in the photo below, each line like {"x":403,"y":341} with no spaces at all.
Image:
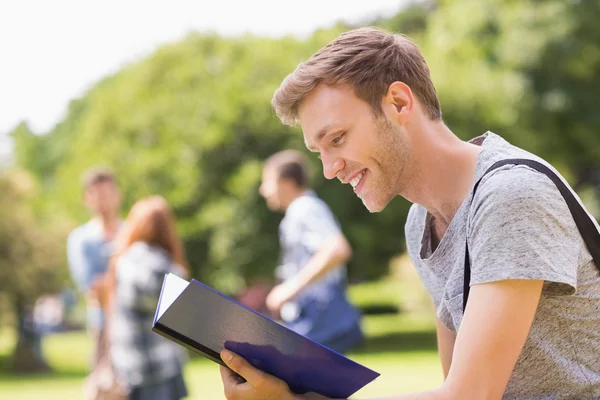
{"x":398,"y":342}
{"x":56,"y":374}
{"x":379,"y":309}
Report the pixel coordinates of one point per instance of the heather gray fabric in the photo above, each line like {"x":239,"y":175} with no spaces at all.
{"x":519,"y":227}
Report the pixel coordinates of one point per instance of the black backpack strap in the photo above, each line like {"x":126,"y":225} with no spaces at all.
{"x":584,"y":223}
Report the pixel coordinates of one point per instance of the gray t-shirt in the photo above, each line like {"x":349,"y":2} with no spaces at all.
{"x":519,"y":227}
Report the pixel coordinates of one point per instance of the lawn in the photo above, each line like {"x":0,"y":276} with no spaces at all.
{"x":399,"y":346}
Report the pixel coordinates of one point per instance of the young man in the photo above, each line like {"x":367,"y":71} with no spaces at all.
{"x":367,"y":105}
{"x":90,"y":246}
{"x":311,"y":299}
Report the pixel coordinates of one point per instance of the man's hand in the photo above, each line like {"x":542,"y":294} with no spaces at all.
{"x":281,"y":294}
{"x":97,"y":285}
{"x":98,"y":291}
{"x":258,"y":386}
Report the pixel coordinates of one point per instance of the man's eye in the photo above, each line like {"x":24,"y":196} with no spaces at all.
{"x":337,"y":139}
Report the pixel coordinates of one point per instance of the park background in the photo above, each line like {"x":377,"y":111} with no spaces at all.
{"x":191,"y":120}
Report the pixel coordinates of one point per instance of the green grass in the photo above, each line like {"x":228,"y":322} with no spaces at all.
{"x":400,"y":347}
{"x":375,"y":295}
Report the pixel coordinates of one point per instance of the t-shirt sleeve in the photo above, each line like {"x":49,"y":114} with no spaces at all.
{"x":79,"y":265}
{"x":521,"y":228}
{"x":317,"y":224}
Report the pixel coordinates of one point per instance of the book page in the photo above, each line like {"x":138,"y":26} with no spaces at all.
{"x":172,"y":288}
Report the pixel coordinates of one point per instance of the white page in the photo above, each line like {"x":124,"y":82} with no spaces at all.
{"x":172,"y":288}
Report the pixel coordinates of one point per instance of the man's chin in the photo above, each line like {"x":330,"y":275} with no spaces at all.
{"x":273,"y":207}
{"x":374,"y":210}
{"x":373,"y":205}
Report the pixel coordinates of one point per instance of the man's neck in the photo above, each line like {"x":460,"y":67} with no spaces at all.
{"x":294,"y":195}
{"x":447,"y":171}
{"x":109,"y":225}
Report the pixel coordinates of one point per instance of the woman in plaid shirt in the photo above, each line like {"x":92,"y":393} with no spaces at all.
{"x":150,"y":365}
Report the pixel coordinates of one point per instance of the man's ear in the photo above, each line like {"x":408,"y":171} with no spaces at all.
{"x":398,"y":102}
{"x":287,"y":183}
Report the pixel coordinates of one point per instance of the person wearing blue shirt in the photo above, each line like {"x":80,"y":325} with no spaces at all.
{"x":90,"y":246}
{"x":311,"y":298}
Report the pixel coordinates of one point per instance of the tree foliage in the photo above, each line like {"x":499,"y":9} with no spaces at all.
{"x":193,"y":122}
{"x":31,"y":256}
{"x":31,"y":261}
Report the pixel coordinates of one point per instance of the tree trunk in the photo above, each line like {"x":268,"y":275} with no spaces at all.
{"x":27,"y":356}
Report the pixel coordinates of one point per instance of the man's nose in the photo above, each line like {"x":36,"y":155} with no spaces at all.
{"x":331,"y":166}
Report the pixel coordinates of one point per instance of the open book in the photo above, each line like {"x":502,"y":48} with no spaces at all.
{"x":206,"y":321}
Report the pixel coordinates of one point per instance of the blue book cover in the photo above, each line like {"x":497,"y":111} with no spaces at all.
{"x":206,"y":321}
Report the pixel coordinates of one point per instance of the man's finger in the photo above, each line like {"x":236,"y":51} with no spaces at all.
{"x":233,"y":386}
{"x":230,"y":378}
{"x":252,"y":375}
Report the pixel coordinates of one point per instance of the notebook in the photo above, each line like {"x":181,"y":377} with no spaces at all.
{"x":205,"y":321}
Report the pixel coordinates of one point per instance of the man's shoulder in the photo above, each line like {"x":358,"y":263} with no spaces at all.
{"x":307,"y":204}
{"x":520,"y":182}
{"x":514,"y":182}
{"x":519,"y":190}
{"x":82,"y":233}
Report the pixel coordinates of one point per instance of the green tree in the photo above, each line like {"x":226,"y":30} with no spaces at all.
{"x":31,"y":263}
{"x":563,"y":95}
{"x":193,"y":122}
{"x":528,"y":70}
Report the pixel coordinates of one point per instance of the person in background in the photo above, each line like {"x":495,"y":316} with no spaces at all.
{"x":149,"y":365}
{"x":90,"y":246}
{"x":311,"y":298}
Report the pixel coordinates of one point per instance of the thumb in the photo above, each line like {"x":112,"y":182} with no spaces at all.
{"x":242,"y":367}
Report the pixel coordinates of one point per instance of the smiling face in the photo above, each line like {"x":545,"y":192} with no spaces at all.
{"x":370,"y":153}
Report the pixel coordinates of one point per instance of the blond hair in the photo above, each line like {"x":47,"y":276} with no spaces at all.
{"x":367,"y":59}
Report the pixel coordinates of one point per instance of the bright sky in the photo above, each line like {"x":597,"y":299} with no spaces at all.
{"x":53,"y":51}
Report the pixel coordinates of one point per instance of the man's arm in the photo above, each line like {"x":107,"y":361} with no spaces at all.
{"x":79,"y":266}
{"x":492,"y":334}
{"x":495,"y":326}
{"x":334,"y":252}
{"x":446,"y":340}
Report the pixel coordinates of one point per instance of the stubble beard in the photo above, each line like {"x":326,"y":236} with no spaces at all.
{"x":393,"y":159}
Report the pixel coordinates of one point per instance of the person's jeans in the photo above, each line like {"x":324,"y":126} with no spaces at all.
{"x":344,"y":342}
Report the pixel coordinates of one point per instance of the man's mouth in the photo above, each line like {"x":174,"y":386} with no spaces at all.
{"x":357,"y":180}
